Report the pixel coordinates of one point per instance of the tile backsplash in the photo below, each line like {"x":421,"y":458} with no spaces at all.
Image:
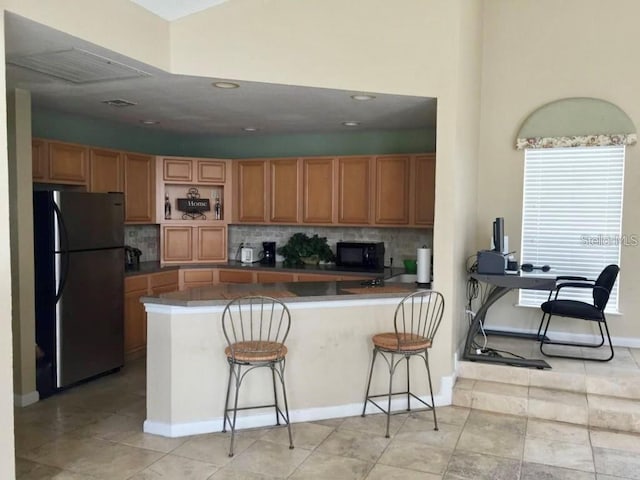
{"x":400,"y":243}
{"x":146,"y":238}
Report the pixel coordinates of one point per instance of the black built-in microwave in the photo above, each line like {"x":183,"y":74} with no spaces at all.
{"x":368,"y":255}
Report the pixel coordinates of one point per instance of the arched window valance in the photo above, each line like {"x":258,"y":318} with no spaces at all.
{"x":576,"y":122}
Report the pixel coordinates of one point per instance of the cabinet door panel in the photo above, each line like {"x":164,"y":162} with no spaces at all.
{"x":177,"y":170}
{"x":274,"y":277}
{"x":67,"y":163}
{"x":235,"y":276}
{"x":212,"y":244}
{"x":106,"y":172}
{"x":39,"y":164}
{"x":211,"y":171}
{"x":284,"y":190}
{"x":354,"y":194}
{"x":425,"y":188}
{"x":392,"y":189}
{"x":318,"y":190}
{"x":135,"y":317}
{"x":139,"y":188}
{"x":251,"y":191}
{"x":177,"y":244}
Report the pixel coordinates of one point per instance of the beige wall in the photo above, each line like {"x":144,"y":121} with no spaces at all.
{"x":536,"y":52}
{"x":20,"y":211}
{"x":6,"y":384}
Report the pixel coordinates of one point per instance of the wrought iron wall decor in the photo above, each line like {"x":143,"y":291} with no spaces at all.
{"x":193,"y":207}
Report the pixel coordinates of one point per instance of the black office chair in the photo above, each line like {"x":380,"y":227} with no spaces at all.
{"x":601,"y":289}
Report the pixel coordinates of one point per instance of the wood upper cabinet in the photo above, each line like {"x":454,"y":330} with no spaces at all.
{"x":68,"y":163}
{"x":186,"y":243}
{"x":211,"y":171}
{"x":392,"y":192}
{"x":425,"y":189}
{"x":354,"y":190}
{"x":318,"y":190}
{"x":211,"y":244}
{"x":177,"y":243}
{"x":177,"y":170}
{"x":40,"y":165}
{"x":251,"y":192}
{"x":284,"y":190}
{"x":139,"y":187}
{"x":106,"y":171}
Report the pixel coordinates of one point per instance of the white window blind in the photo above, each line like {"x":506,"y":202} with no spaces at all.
{"x":572,"y":215}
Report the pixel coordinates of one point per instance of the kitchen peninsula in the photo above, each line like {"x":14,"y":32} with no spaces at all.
{"x":329,"y":353}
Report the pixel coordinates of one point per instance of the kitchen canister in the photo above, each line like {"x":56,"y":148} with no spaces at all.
{"x":424,"y":265}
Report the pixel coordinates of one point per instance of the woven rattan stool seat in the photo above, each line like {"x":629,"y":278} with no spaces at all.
{"x":402,"y":342}
{"x":256,"y":351}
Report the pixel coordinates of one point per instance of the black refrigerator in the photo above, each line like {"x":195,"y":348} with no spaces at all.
{"x":79,"y":286}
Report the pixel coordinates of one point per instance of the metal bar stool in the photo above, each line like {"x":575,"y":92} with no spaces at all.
{"x":416,"y":321}
{"x":256,"y":328}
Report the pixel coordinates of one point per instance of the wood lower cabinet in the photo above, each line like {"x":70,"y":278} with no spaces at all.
{"x":425,"y":189}
{"x":135,"y":317}
{"x":274,"y":277}
{"x":235,"y":276}
{"x":354,"y":190}
{"x":318,"y":277}
{"x":196,"y":277}
{"x":392,"y":192}
{"x":106,"y":173}
{"x":139,"y":188}
{"x":318,"y":190}
{"x":284,"y":190}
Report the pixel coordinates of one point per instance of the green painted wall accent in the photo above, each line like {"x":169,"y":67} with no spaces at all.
{"x":576,"y":116}
{"x":89,"y":131}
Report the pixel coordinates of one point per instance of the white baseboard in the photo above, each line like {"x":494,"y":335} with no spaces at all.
{"x":629,"y":342}
{"x":26,"y":399}
{"x":443,"y":398}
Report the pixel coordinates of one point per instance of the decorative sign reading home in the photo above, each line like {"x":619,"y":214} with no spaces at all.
{"x":193,"y":206}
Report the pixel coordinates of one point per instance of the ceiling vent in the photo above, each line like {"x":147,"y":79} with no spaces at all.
{"x":118,"y":102}
{"x":77,"y":66}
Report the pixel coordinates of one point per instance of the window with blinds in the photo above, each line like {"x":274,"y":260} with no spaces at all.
{"x":572,"y":215}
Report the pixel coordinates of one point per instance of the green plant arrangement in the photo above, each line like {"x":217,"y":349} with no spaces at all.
{"x":302,"y":249}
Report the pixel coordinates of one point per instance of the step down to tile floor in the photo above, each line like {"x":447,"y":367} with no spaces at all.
{"x":581,"y":398}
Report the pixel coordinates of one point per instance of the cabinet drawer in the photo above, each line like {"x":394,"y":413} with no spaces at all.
{"x":317,"y":277}
{"x":132,"y":284}
{"x":201,"y":275}
{"x":164,"y":279}
{"x":235,"y":276}
{"x":273,"y":277}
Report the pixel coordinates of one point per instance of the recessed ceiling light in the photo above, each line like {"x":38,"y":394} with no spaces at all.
{"x":227,"y":85}
{"x":363,"y":97}
{"x":250,"y":129}
{"x":350,"y":123}
{"x":149,"y":122}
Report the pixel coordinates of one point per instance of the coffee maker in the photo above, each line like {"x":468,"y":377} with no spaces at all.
{"x":268,"y":253}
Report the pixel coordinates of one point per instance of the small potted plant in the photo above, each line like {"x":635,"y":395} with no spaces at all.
{"x":303,"y":249}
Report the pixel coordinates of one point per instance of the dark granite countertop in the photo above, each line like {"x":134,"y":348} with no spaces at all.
{"x":153,"y":267}
{"x":290,"y":292}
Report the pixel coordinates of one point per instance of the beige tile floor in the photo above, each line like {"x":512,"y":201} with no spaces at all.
{"x":95,"y":432}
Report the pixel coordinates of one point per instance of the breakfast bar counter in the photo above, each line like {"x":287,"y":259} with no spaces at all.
{"x":329,"y":348}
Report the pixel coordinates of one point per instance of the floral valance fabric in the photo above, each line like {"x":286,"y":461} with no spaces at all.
{"x":576,"y":141}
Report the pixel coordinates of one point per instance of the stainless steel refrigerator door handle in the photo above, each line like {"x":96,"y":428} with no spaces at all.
{"x":62,"y":259}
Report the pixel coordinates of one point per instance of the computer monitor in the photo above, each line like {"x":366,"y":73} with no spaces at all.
{"x":498,"y":235}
